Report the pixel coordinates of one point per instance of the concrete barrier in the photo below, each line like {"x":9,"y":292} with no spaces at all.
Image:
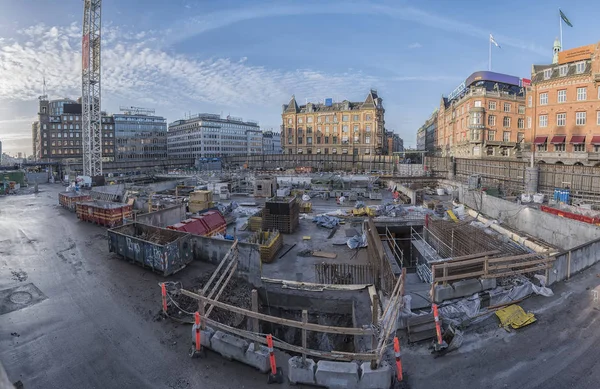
{"x":463,"y":288}
{"x":375,"y":379}
{"x":299,"y":373}
{"x":229,"y":346}
{"x":334,"y":375}
{"x":258,"y":358}
{"x":205,"y":336}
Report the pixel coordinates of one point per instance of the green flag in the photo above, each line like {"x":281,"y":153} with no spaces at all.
{"x":565,"y":19}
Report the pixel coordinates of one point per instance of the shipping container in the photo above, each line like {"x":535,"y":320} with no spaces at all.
{"x":69,"y":200}
{"x":162,"y":250}
{"x":104,"y":213}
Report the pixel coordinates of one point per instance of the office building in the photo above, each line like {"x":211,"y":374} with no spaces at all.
{"x":564,"y":104}
{"x":484,"y":117}
{"x":427,"y":133}
{"x":140,"y":135}
{"x":334,"y":127}
{"x":271,"y":142}
{"x":208,"y":135}
{"x":393,"y":143}
{"x":57,"y":134}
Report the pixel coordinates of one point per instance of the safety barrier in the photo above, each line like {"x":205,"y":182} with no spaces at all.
{"x":344,"y":274}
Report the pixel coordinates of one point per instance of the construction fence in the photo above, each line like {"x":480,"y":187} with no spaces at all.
{"x":344,"y":274}
{"x":509,"y":175}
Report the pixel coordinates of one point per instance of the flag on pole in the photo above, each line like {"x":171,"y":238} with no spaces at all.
{"x":492,"y":40}
{"x":565,"y":19}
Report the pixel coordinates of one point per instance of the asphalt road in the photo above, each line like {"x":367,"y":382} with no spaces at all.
{"x":81,"y":318}
{"x":84,"y":318}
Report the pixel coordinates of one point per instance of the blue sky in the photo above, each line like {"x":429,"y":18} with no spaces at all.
{"x":246,"y":58}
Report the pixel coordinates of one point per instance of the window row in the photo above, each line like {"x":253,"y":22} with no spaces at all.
{"x":561,"y":119}
{"x":561,"y":96}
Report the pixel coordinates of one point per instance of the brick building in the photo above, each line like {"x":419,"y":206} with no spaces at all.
{"x":483,"y":117}
{"x":334,"y":128}
{"x":57,"y":134}
{"x":564,"y":104}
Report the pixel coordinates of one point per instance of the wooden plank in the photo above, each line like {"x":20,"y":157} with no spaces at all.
{"x":475,"y":261}
{"x":324,"y":254}
{"x":223,"y":286}
{"x":278,"y":320}
{"x":459,"y":276}
{"x":331,"y":355}
{"x":228,"y":270}
{"x":518,"y":264}
{"x":513,"y":258}
{"x":515,"y":272}
{"x":473,"y":256}
{"x":255,"y":324}
{"x":214,"y":275}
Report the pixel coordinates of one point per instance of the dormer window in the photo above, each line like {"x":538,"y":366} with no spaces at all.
{"x":563,"y":70}
{"x":547,"y":74}
{"x":579,"y":67}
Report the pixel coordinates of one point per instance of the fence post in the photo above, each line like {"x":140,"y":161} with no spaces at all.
{"x":304,"y":342}
{"x":374,"y":320}
{"x":255,"y":326}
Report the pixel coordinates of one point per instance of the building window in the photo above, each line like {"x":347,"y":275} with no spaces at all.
{"x":581,"y":94}
{"x":520,"y":123}
{"x":44,"y":135}
{"x":579,"y":147}
{"x":319,"y":119}
{"x":309,"y":140}
{"x":520,"y":137}
{"x":506,"y":107}
{"x":290,"y":121}
{"x":477,"y":103}
{"x":309,"y":119}
{"x":543,"y":98}
{"x":528,"y":121}
{"x":562,"y":71}
{"x":368,"y":117}
{"x":327,"y":129}
{"x":598,"y":118}
{"x":547,"y":74}
{"x":344,"y":128}
{"x":562,"y":96}
{"x":491,"y":135}
{"x":477,"y":117}
{"x":300,"y":121}
{"x":521,"y":110}
{"x":530,"y":101}
{"x":492,"y":105}
{"x":491,"y":120}
{"x":299,"y":140}
{"x":506,"y":121}
{"x":506,"y":136}
{"x":327,"y":119}
{"x":579,"y":67}
{"x":543,"y":120}
{"x":355,"y":118}
{"x":596,"y":148}
{"x":561,"y":119}
{"x":367,"y":139}
{"x":559,"y":147}
{"x":326,"y":141}
{"x":299,"y":151}
{"x":580,"y":118}
{"x":345,"y":118}
{"x":542,"y":147}
{"x":356,"y":128}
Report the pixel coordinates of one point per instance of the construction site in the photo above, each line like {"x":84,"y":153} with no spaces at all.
{"x":311,"y":276}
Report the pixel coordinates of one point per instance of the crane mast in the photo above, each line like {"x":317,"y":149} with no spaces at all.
{"x":90,"y":89}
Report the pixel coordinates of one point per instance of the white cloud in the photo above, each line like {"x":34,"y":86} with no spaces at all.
{"x":415,"y":45}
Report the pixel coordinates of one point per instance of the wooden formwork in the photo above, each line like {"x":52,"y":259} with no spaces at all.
{"x":270,"y":242}
{"x":255,"y":221}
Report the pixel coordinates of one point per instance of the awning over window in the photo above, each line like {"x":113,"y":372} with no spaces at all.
{"x":540,"y":140}
{"x":596,"y":140}
{"x":557,"y":139}
{"x":578,"y":139}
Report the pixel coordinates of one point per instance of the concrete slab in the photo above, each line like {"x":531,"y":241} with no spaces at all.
{"x":380,"y":378}
{"x":463,"y":288}
{"x":418,"y":291}
{"x":336,"y":375}
{"x":299,"y":373}
{"x":229,"y":346}
{"x":258,"y":358}
{"x":205,"y":336}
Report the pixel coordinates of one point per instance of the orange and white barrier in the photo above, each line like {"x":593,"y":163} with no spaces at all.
{"x":163,"y":289}
{"x":276,"y":375}
{"x":398,"y":360}
{"x":438,"y":329}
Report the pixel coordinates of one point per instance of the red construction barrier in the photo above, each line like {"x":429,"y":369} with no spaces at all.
{"x":398,"y":360}
{"x":438,"y":329}
{"x":197,"y":319}
{"x":163,"y":289}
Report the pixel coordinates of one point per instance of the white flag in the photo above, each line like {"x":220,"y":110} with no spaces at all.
{"x":494,"y":41}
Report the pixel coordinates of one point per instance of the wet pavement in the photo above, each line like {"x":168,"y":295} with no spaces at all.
{"x":73,"y":315}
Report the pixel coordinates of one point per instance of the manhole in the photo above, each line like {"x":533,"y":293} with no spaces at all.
{"x":20,"y":298}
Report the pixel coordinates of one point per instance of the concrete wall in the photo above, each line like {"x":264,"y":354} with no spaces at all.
{"x":573,"y":261}
{"x":558,"y":231}
{"x":412,"y":194}
{"x":40,"y":178}
{"x":163,"y":217}
{"x":213,"y":250}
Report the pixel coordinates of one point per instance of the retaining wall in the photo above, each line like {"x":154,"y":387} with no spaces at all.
{"x":412,"y":194}
{"x":164,"y":217}
{"x":573,"y":261}
{"x":39,"y":178}
{"x":558,"y":231}
{"x":213,"y":250}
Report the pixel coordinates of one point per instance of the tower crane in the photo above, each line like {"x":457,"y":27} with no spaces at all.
{"x":90,"y":89}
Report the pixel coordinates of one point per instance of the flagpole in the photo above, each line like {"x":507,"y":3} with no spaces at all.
{"x":490,"y":54}
{"x":560,"y":24}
